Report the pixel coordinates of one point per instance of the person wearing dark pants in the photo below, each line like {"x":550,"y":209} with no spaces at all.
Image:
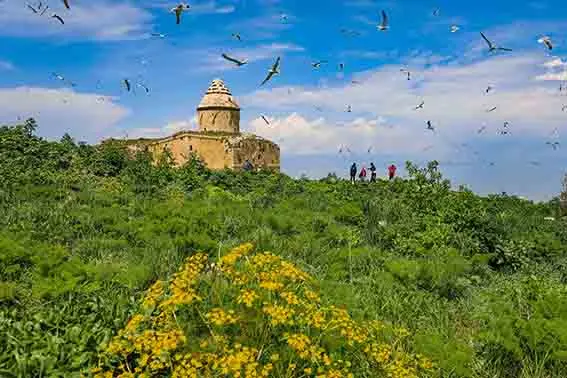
{"x":372,"y":172}
{"x":353,"y":173}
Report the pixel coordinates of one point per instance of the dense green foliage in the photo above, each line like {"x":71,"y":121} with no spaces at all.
{"x":84,"y":230}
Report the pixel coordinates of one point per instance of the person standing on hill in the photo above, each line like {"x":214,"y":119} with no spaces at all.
{"x":362,"y":175}
{"x":353,"y":173}
{"x":372,"y":172}
{"x":391,"y":171}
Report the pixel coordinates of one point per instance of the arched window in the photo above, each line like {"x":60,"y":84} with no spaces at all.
{"x":190,"y":147}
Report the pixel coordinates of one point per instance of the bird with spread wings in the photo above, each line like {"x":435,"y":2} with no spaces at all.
{"x":491,"y":46}
{"x":234,"y":60}
{"x":274,"y":70}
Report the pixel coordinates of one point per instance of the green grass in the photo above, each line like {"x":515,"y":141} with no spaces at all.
{"x":480,"y":282}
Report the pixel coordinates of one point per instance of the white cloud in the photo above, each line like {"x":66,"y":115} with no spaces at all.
{"x":299,"y":135}
{"x":453,"y":93}
{"x":556,"y":62}
{"x":6,"y":66}
{"x":551,"y":76}
{"x":211,"y":7}
{"x":103,"y":20}
{"x":557,"y":70}
{"x":86,"y":116}
{"x":163,"y":131}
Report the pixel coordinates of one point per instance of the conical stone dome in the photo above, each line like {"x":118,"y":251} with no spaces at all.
{"x":218,"y":96}
{"x":218,"y":110}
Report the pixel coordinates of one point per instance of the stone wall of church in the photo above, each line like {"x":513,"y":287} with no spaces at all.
{"x":225,"y":120}
{"x":261,"y":153}
{"x":212,"y":150}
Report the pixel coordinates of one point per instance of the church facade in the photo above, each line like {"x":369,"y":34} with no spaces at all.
{"x":218,"y":141}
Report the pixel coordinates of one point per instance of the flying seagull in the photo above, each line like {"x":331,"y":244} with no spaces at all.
{"x":384,"y":24}
{"x":546,"y":41}
{"x":62,"y":78}
{"x":317,"y":65}
{"x":283,"y":17}
{"x":349,"y":109}
{"x":420,"y":106}
{"x":237,"y":36}
{"x":126,"y":83}
{"x":479,"y":131}
{"x":491,"y":110}
{"x":554,"y":145}
{"x":491,"y":46}
{"x":488,"y":89}
{"x":32,"y":8}
{"x":505,"y":131}
{"x":58,"y":18}
{"x":265,"y":119}
{"x":408,"y":73}
{"x":274,"y":70}
{"x":235,"y":61}
{"x":341,"y":66}
{"x":160,"y":35}
{"x":370,"y":149}
{"x":66,"y":3}
{"x":44,"y":10}
{"x":178,"y":11}
{"x":143,"y":86}
{"x":430,"y":126}
{"x":454,"y":28}
{"x":59,"y":77}
{"x":563,"y":108}
{"x":436,"y":12}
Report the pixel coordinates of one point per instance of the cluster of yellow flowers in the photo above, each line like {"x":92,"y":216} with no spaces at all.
{"x":279,"y":327}
{"x":279,"y":314}
{"x":247,"y":296}
{"x":181,"y":287}
{"x":219,"y":317}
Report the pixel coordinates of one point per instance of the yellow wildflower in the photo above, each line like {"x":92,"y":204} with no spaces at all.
{"x":271,"y":285}
{"x":153,"y":295}
{"x":219,"y":317}
{"x":290,"y":298}
{"x":279,"y":314}
{"x":247,"y":297}
{"x":311,"y":295}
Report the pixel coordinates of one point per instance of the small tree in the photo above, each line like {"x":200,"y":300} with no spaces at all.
{"x":563,"y":197}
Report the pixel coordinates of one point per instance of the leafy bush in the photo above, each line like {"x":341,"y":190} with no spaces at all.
{"x":260,"y":316}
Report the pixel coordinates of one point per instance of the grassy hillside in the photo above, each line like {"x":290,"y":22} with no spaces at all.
{"x":443,"y":283}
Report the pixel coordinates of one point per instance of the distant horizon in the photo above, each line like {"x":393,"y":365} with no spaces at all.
{"x":341,"y":169}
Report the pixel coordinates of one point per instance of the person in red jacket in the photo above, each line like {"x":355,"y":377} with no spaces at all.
{"x":362,"y":174}
{"x":391,"y":171}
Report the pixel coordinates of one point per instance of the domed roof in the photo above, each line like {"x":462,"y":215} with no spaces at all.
{"x":218,"y":96}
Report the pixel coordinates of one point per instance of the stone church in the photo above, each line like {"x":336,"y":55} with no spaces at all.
{"x":218,"y":142}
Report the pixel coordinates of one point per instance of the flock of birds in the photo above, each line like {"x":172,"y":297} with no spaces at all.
{"x":40,"y":9}
{"x":384,"y":26}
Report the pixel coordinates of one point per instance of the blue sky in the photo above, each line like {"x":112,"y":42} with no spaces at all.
{"x":103,"y":42}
